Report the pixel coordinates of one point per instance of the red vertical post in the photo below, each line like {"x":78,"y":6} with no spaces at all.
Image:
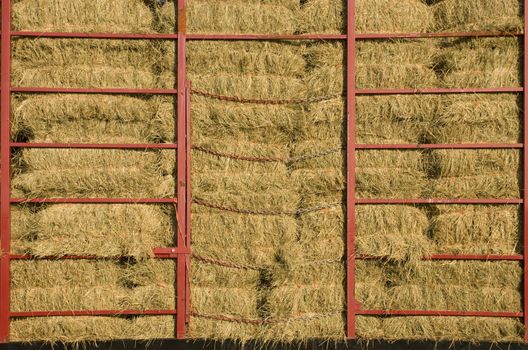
{"x":181,"y":241}
{"x":189,"y":198}
{"x":525,"y":172}
{"x":5,"y":158}
{"x":351,"y":169}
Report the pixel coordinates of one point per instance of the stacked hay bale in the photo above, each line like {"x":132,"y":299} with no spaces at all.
{"x":104,"y":230}
{"x":462,"y":229}
{"x":254,"y":16}
{"x":241,"y":219}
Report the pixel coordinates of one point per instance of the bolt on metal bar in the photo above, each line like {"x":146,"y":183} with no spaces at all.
{"x":92,"y":313}
{"x":96,"y":145}
{"x":189,"y":200}
{"x":440,"y":313}
{"x":5,"y":170}
{"x":351,"y":171}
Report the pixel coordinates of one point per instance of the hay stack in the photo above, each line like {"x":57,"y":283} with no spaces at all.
{"x":93,"y":118}
{"x":93,"y":173}
{"x":439,"y":285}
{"x":91,"y":285}
{"x":480,"y":63}
{"x":477,"y":119}
{"x":476,"y":229}
{"x":98,"y":229}
{"x":492,"y":15}
{"x":472,"y":329}
{"x":70,"y":63}
{"x":476,"y":174}
{"x":249,"y":70}
{"x":101,"y":16}
{"x":386,"y":16}
{"x":395,"y":64}
{"x":254,"y":16}
{"x":395,"y":119}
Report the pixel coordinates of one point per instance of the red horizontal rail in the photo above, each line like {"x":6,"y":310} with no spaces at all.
{"x":439,"y":91}
{"x":95,"y":200}
{"x":439,"y":201}
{"x":94,"y":35}
{"x":97,"y":145}
{"x":441,"y":146}
{"x":266,"y":36}
{"x":95,"y":90}
{"x":440,"y":313}
{"x":456,"y":257}
{"x":162,"y":36}
{"x":91,"y":313}
{"x":481,"y":34}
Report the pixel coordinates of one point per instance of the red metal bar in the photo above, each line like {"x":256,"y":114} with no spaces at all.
{"x":5,"y":169}
{"x":480,"y":34}
{"x":199,"y":36}
{"x":439,"y":201}
{"x":94,"y":35}
{"x":525,"y":174}
{"x":352,"y":304}
{"x":425,"y":91}
{"x":96,"y":200}
{"x":91,"y":313}
{"x":456,"y":257}
{"x":266,"y":36}
{"x":95,"y":90}
{"x":96,"y":145}
{"x":442,"y":146}
{"x":181,"y":241}
{"x":189,"y":200}
{"x":440,"y":313}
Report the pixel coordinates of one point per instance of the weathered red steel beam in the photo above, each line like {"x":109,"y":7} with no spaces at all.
{"x":91,"y":313}
{"x":96,"y":145}
{"x":442,"y":146}
{"x":440,"y":313}
{"x":439,"y":201}
{"x":122,"y":91}
{"x":96,"y":200}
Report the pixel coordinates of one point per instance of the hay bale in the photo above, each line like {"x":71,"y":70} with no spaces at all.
{"x":100,"y":16}
{"x":477,"y":118}
{"x":92,"y":173}
{"x":490,"y":15}
{"x":480,"y":63}
{"x":447,"y":285}
{"x":120,"y":63}
{"x":476,"y":229}
{"x":395,"y":232}
{"x":83,"y":329}
{"x":395,"y":119}
{"x":310,"y":294}
{"x":322,"y":16}
{"x":100,"y":229}
{"x":390,"y":174}
{"x":218,"y":290}
{"x":396,"y":64}
{"x":263,"y":129}
{"x":476,"y":174}
{"x":255,"y":16}
{"x":93,"y":118}
{"x":92,"y":285}
{"x":472,"y":329}
{"x":386,"y":16}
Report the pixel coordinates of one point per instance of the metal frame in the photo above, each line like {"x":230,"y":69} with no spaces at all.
{"x":181,"y":253}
